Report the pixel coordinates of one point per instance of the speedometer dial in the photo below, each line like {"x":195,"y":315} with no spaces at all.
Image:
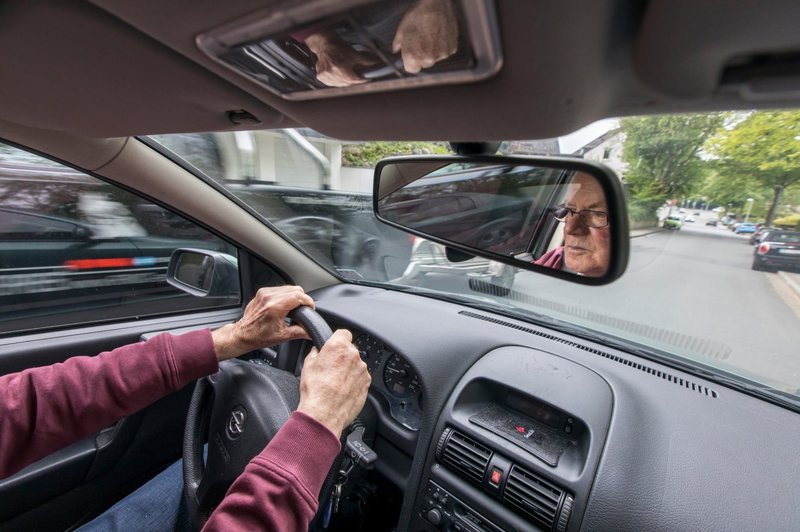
{"x":399,"y":378}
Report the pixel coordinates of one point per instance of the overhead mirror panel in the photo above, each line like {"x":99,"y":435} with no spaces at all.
{"x":323,"y":48}
{"x":565,"y":217}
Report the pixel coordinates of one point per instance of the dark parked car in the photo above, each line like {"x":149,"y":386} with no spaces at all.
{"x":778,"y":250}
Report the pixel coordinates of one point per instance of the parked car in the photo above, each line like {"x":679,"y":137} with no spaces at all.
{"x":756,"y":237}
{"x":778,"y":250}
{"x":745,"y":228}
{"x":712,"y":222}
{"x":673,"y":221}
{"x":430,"y":265}
{"x":666,"y":400}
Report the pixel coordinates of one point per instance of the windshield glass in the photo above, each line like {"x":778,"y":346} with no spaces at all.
{"x":700,"y":291}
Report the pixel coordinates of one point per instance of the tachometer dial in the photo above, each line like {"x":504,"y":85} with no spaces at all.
{"x":399,"y":378}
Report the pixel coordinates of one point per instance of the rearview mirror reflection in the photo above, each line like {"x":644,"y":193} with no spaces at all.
{"x":563,"y":215}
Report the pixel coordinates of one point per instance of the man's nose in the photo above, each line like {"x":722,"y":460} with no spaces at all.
{"x":574,"y":225}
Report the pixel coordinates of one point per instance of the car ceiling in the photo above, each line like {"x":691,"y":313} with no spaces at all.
{"x":113,"y":68}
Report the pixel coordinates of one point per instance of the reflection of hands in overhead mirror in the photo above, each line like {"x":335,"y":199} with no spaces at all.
{"x":422,"y":35}
{"x":337,"y":61}
{"x":427,"y":33}
{"x":584,"y":213}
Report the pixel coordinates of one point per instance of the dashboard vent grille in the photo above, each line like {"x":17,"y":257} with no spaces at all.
{"x":689,"y":385}
{"x":533,"y":497}
{"x":464,"y":455}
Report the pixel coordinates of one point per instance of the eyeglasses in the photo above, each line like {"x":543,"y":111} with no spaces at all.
{"x":595,"y":219}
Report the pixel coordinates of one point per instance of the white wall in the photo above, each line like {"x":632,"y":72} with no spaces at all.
{"x":356,"y":179}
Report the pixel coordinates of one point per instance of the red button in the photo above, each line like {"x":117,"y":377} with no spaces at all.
{"x":497,"y":476}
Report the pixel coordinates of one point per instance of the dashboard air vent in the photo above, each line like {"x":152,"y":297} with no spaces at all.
{"x":463,"y":455}
{"x":535,"y":498}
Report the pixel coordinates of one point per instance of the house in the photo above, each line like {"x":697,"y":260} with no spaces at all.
{"x":606,"y":149}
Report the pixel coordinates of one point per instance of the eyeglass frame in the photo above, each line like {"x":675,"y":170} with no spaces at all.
{"x":580,"y":215}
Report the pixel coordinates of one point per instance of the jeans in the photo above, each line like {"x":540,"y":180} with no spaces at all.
{"x":157,"y":505}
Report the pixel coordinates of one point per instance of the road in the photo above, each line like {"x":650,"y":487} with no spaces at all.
{"x":691,"y":292}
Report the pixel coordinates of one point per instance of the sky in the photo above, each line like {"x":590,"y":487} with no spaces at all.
{"x":573,"y":141}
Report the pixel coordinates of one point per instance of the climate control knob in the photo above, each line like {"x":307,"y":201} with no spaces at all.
{"x":434,"y":516}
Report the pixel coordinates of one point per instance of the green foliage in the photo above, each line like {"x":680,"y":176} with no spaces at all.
{"x":792,"y":222}
{"x":729,"y":189}
{"x":758,"y":156}
{"x":643,"y":213}
{"x":366,"y":154}
{"x":663,"y":154}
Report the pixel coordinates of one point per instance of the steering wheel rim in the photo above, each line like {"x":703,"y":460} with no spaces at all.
{"x":239,"y":409}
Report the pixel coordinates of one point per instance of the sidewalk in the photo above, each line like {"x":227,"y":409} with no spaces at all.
{"x":792,"y":280}
{"x":646,"y":231}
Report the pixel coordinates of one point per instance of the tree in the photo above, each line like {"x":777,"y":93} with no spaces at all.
{"x":764,"y":148}
{"x":663,"y":155}
{"x":367,"y":154}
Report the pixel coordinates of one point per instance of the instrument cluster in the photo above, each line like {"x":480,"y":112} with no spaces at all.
{"x":394,"y":378}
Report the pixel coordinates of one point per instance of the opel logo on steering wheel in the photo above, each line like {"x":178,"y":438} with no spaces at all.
{"x":236,"y":422}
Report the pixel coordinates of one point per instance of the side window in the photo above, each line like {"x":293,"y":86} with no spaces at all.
{"x":75,"y":249}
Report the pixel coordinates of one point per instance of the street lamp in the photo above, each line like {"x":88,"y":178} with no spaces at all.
{"x":749,"y":208}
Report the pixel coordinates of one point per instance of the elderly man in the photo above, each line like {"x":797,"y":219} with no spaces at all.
{"x":584,"y":214}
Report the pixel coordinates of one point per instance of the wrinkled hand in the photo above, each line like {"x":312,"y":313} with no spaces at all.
{"x":263,"y":323}
{"x":334,"y":383}
{"x":427,"y":33}
{"x":337,"y":61}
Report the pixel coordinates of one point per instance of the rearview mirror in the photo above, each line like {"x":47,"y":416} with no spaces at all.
{"x":204,"y":273}
{"x":560,"y":216}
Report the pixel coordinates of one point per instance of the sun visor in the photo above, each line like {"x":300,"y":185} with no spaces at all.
{"x":691,"y":50}
{"x":324,"y":48}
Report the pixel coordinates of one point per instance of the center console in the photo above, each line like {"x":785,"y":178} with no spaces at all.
{"x":516,"y":447}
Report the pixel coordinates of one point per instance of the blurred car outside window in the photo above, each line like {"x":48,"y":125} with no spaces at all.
{"x":71,"y":244}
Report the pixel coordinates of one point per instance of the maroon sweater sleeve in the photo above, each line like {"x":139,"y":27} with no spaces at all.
{"x":44,"y":409}
{"x":278,"y":489}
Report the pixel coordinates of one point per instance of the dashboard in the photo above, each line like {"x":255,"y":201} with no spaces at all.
{"x":485,"y":422}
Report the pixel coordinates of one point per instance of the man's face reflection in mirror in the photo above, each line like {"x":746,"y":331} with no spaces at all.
{"x":584,"y":213}
{"x":586,"y":249}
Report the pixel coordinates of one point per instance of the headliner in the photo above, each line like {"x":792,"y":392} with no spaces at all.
{"x":112,"y":68}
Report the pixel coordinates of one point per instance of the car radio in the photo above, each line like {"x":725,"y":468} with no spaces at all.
{"x":444,"y":511}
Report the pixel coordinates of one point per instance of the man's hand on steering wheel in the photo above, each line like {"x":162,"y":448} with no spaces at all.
{"x":334,"y":383}
{"x":263,"y":323}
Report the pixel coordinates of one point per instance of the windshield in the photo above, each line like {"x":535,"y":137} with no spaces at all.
{"x":697,"y":292}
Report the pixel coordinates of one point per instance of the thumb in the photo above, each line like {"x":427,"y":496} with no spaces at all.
{"x":297,"y":332}
{"x":396,"y":45}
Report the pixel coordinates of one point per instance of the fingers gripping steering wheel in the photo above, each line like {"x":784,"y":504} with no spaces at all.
{"x":240,"y":409}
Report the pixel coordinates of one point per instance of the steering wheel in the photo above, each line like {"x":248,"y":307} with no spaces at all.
{"x":240,"y":408}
